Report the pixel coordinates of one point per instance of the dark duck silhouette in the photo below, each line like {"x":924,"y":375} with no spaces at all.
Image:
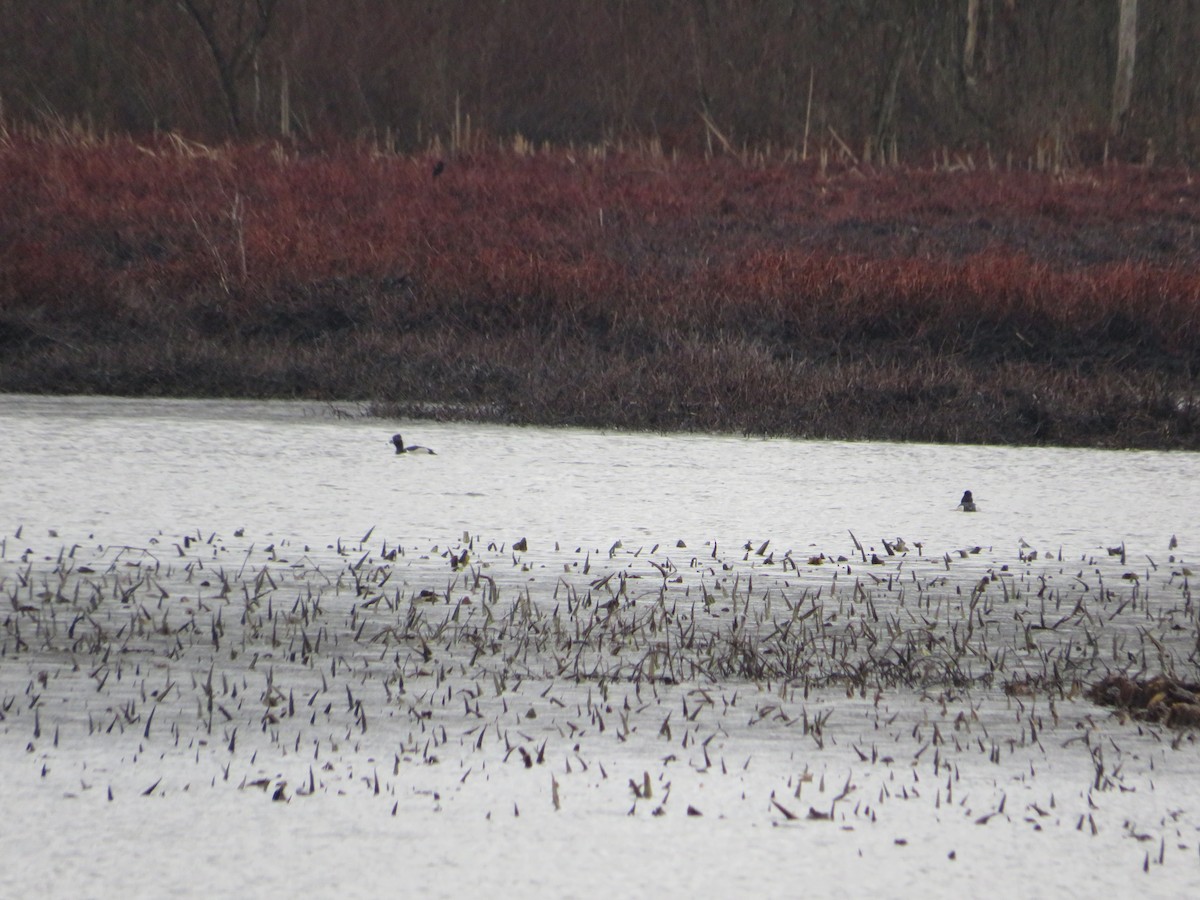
{"x":398,"y":443}
{"x":967,"y":502}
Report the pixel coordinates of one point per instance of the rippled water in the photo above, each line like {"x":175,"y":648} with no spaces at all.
{"x":136,"y":467}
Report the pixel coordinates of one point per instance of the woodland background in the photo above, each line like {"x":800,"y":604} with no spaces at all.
{"x":883,"y":79}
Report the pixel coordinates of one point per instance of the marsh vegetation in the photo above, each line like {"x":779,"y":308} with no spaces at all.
{"x":903,"y":693}
{"x":610,"y":287}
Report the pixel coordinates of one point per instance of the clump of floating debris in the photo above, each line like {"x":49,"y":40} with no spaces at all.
{"x":1157,"y":699}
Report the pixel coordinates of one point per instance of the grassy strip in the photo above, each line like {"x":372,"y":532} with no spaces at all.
{"x":627,"y":290}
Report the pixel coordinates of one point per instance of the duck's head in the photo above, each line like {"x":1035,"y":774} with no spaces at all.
{"x":398,"y":443}
{"x":966,"y":498}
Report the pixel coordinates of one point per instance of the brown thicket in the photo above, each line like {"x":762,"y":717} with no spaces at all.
{"x":884,"y":79}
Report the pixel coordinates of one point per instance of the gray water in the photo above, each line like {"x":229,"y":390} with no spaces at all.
{"x":1008,"y":792}
{"x":133,"y":468}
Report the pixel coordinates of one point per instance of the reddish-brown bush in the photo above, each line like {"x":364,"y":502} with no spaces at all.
{"x":602,"y":287}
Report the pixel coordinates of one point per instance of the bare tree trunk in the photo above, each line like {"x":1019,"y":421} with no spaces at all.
{"x":970,"y":42}
{"x":885,"y":114}
{"x":1126,"y":52}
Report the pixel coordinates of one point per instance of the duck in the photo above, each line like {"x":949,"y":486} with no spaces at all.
{"x":967,"y":502}
{"x":398,"y":442}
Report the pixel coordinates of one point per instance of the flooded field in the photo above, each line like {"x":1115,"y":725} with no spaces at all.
{"x":247,"y":647}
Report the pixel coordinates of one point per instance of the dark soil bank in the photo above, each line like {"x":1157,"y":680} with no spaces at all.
{"x":610,"y":289}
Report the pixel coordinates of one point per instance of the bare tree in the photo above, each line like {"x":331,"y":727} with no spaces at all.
{"x":1126,"y":53}
{"x":233,"y":30}
{"x":970,"y":42}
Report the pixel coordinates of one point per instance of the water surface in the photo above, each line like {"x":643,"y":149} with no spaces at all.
{"x":220,"y":718}
{"x":133,"y":468}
